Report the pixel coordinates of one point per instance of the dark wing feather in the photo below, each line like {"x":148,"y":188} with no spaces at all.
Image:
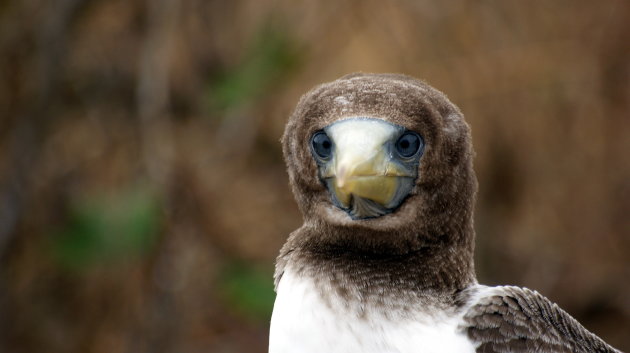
{"x":513,"y":319}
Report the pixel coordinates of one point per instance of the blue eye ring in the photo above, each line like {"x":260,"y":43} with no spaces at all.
{"x":409,"y":144}
{"x":321,"y":145}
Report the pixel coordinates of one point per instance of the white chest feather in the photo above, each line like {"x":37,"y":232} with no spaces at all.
{"x":303,"y":322}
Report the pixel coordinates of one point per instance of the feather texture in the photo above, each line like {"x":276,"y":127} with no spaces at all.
{"x":307,"y":320}
{"x":403,"y":281}
{"x":513,"y":319}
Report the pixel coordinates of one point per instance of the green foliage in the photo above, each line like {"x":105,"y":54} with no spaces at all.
{"x":248,"y":289}
{"x":268,"y":59}
{"x":102,"y":230}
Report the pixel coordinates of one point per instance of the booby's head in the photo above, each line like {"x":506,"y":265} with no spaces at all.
{"x":384,"y":156}
{"x":368,"y":165}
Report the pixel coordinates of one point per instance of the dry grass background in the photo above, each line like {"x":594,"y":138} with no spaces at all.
{"x":143,"y":196}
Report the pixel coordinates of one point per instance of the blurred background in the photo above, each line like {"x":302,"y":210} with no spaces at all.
{"x":143,"y":196}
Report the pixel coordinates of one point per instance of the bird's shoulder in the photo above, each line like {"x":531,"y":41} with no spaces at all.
{"x":515,"y":319}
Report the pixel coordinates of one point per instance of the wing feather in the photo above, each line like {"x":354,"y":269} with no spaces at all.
{"x":513,"y":319}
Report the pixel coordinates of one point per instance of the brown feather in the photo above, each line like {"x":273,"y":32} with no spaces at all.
{"x":427,"y":244}
{"x":421,"y":254}
{"x":517,"y":319}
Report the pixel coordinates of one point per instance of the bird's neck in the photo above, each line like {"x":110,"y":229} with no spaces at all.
{"x":429,"y":271}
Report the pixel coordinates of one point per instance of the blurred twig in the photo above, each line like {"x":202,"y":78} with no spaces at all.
{"x":153,"y":88}
{"x":28,"y":134}
{"x":26,"y":138}
{"x":153,"y":93}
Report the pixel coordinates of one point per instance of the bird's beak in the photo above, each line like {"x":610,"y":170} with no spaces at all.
{"x":363,"y":166}
{"x":367,"y":174}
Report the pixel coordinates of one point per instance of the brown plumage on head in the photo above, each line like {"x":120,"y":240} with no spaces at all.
{"x":434,"y":222}
{"x":388,"y":231}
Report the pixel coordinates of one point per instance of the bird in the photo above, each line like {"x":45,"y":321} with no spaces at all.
{"x":381,"y":168}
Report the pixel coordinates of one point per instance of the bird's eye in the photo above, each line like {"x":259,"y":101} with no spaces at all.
{"x":409,"y":144}
{"x":321,"y":144}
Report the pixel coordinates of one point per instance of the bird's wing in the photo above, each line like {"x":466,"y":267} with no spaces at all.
{"x":513,"y":319}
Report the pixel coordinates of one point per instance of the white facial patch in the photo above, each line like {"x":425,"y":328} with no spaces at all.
{"x":359,"y":139}
{"x":363,"y":174}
